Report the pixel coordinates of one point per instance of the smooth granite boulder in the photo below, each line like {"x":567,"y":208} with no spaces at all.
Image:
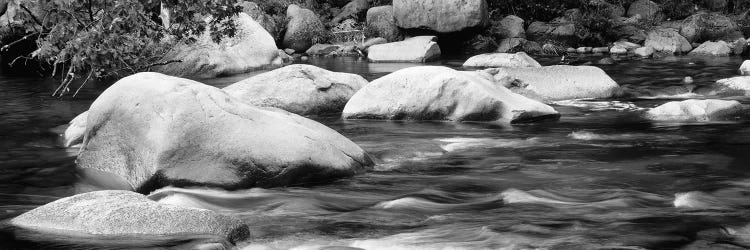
{"x":555,"y":83}
{"x":301,"y":89}
{"x":696,"y":110}
{"x":116,"y":213}
{"x":509,"y":60}
{"x":154,"y":130}
{"x":250,"y":49}
{"x":441,"y":93}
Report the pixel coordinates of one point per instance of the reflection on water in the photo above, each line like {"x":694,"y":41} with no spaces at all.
{"x":601,"y":177}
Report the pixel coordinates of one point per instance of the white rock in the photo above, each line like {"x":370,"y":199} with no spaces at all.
{"x":494,"y":60}
{"x":696,"y":110}
{"x":441,"y":93}
{"x":415,"y":49}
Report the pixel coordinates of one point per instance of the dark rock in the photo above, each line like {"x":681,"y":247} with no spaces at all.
{"x":704,"y":26}
{"x":380,"y":23}
{"x":647,"y":9}
{"x":352,"y":10}
{"x":303,"y":29}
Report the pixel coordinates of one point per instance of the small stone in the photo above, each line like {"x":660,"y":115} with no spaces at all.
{"x":584,"y":50}
{"x":618,"y":51}
{"x":289,"y":51}
{"x":571,"y":50}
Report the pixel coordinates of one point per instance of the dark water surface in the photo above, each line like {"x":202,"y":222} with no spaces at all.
{"x":599,"y":178}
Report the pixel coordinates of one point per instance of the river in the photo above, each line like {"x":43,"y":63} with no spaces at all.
{"x":602,"y":177}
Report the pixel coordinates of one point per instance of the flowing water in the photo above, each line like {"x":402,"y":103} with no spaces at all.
{"x":601,"y":177}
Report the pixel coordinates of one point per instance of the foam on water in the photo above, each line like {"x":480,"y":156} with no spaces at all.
{"x":599,"y":105}
{"x":460,"y":143}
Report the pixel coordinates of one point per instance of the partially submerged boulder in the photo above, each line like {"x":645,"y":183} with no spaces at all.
{"x":441,"y":93}
{"x":720,"y":48}
{"x":738,"y":85}
{"x":250,"y":49}
{"x":696,"y":110}
{"x":303,"y":29}
{"x":415,"y":49}
{"x":443,"y":16}
{"x":667,"y":40}
{"x":115,"y":213}
{"x":554,"y":83}
{"x":74,"y":133}
{"x":322,"y":49}
{"x":380,"y":23}
{"x":301,"y":89}
{"x":154,"y":130}
{"x":494,"y":60}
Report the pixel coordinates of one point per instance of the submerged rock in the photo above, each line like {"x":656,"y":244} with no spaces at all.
{"x":667,"y":40}
{"x":519,"y":59}
{"x":301,"y":89}
{"x":127,"y":214}
{"x":441,"y":93}
{"x":415,"y":49}
{"x":154,"y":130}
{"x":250,"y":49}
{"x":443,"y":16}
{"x":76,"y":128}
{"x":303,"y":29}
{"x":696,"y":110}
{"x":554,"y":83}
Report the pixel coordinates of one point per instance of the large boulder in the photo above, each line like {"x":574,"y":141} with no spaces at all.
{"x":704,"y":26}
{"x":666,"y":40}
{"x":301,"y":89}
{"x":696,"y":110}
{"x":250,"y":49}
{"x":351,"y":10}
{"x":303,"y":29}
{"x":380,"y":23}
{"x":720,"y":48}
{"x":646,"y":9}
{"x":511,"y":27}
{"x":154,"y":130}
{"x":443,"y":16}
{"x":554,"y":83}
{"x":494,"y":60}
{"x":115,"y":213}
{"x":74,"y":133}
{"x":415,"y":49}
{"x":441,"y":93}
